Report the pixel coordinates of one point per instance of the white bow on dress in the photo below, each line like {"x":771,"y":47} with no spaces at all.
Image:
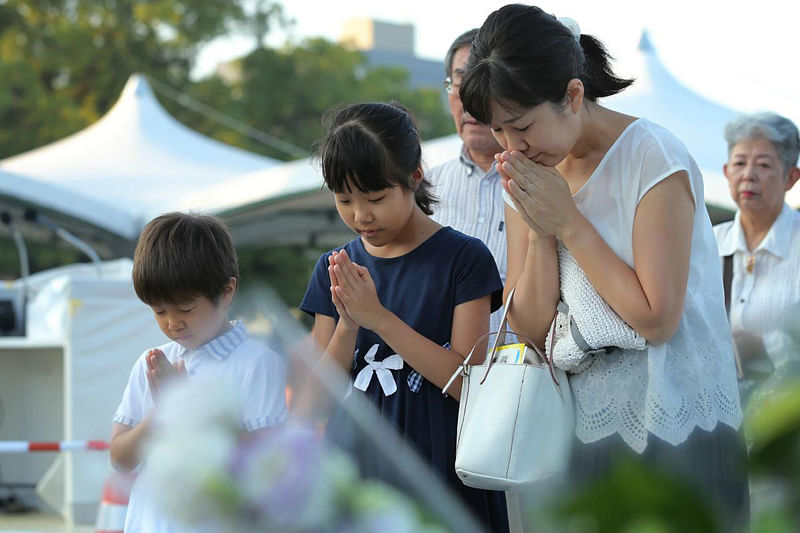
{"x":381,"y":368}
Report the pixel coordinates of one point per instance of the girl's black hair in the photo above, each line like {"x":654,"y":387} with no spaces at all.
{"x":373,"y":146}
{"x":523,"y":57}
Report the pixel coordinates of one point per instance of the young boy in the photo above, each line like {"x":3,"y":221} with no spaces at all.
{"x":185,"y":268}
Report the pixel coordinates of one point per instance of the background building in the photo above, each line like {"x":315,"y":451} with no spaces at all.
{"x":389,"y":44}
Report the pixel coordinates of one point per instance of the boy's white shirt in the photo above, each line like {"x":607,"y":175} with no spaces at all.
{"x":257,"y":373}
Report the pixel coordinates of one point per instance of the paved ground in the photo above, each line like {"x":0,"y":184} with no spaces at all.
{"x":39,"y":523}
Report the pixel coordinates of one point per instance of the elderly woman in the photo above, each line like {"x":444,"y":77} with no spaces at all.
{"x":760,"y":248}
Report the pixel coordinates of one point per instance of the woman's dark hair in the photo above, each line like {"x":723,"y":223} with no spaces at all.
{"x":183,"y":255}
{"x":523,"y":57}
{"x":373,"y":146}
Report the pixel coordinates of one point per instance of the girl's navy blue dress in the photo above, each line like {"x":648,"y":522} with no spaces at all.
{"x":422,"y":288}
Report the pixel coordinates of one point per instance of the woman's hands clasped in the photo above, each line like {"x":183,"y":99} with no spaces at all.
{"x":540,"y":194}
{"x":353,"y":293}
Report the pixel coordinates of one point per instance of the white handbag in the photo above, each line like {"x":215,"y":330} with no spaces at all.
{"x":515,"y":420}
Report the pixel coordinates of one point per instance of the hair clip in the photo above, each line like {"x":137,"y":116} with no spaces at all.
{"x":572,"y":26}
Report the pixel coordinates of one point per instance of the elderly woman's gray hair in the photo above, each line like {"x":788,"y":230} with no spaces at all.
{"x":778,"y":130}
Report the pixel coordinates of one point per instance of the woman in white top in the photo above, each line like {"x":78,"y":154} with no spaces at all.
{"x":763,"y":243}
{"x":624,"y":196}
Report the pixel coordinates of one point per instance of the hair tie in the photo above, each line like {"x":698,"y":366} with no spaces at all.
{"x":572,"y":26}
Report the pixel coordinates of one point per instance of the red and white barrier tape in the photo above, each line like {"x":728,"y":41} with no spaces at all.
{"x":23,"y":446}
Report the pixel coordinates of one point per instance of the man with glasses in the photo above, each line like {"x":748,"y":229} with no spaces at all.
{"x":468,"y":187}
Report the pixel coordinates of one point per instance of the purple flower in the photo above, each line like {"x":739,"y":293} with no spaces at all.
{"x":288,"y":478}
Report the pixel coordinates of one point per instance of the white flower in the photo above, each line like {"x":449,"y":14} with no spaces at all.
{"x":202,"y":470}
{"x":186,"y":471}
{"x":187,"y":456}
{"x":198,"y":404}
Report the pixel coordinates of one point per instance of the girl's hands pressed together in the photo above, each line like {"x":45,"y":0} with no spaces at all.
{"x":540,"y":193}
{"x":344,"y":319}
{"x":356,"y":292}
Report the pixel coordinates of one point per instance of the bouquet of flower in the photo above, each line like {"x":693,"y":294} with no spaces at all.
{"x":205,"y":472}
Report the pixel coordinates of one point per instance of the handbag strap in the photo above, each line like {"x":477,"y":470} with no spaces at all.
{"x":574,"y":331}
{"x":503,"y":323}
{"x":727,"y":279}
{"x":548,"y":360}
{"x":463,"y":368}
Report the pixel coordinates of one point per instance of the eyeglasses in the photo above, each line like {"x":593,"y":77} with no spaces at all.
{"x":449,"y":86}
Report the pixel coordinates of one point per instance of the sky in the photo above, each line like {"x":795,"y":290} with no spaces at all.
{"x":741,"y":54}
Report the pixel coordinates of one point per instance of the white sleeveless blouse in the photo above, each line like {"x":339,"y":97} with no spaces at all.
{"x":690,"y":380}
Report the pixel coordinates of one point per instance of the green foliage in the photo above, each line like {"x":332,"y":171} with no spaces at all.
{"x":64,"y":62}
{"x":772,"y":425}
{"x":285,"y":93}
{"x":636,"y":498}
{"x":774,"y":521}
{"x":286,"y":269}
{"x":42,"y":256}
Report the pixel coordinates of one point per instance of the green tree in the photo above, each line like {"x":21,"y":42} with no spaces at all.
{"x":286,"y":269}
{"x":63,"y":63}
{"x":42,"y":254}
{"x":285,"y":93}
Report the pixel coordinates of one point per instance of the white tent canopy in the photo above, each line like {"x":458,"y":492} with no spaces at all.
{"x":137,"y":160}
{"x":65,"y":206}
{"x":696,"y":120}
{"x":289,"y":204}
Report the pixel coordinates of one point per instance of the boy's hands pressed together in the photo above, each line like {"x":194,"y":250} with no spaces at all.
{"x":160,"y":371}
{"x":356,"y":292}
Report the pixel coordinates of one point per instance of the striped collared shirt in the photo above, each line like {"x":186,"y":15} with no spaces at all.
{"x":471,"y":201}
{"x":220,"y":347}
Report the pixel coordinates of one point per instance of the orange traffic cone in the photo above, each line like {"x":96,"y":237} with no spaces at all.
{"x":114,"y":504}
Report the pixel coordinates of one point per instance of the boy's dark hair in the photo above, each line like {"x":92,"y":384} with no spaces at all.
{"x":374,"y":146}
{"x":523,"y":57}
{"x":180,"y":256}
